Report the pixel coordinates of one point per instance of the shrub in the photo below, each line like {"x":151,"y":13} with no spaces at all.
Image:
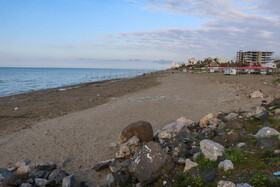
{"x":260,"y":179}
{"x":267,"y":153}
{"x":205,"y":163}
{"x":236,"y":155}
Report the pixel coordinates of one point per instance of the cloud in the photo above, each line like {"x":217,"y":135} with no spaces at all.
{"x":162,"y":61}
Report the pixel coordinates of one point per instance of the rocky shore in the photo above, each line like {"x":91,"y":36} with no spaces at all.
{"x":239,"y":148}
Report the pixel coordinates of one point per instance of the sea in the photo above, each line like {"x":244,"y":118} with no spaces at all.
{"x":22,"y":80}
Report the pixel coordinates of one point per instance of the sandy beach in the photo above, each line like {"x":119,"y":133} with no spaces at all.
{"x":80,"y":123}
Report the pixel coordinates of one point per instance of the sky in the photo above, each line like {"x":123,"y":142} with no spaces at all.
{"x":133,"y":33}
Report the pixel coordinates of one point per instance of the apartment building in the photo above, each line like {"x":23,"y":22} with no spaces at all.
{"x":259,"y":57}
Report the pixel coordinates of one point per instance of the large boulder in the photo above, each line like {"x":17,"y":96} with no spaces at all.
{"x":188,"y":122}
{"x":262,"y":116}
{"x":211,"y":149}
{"x":204,"y":122}
{"x":142,"y":129}
{"x":266,"y":131}
{"x":128,"y":148}
{"x":267,"y":143}
{"x":148,"y":162}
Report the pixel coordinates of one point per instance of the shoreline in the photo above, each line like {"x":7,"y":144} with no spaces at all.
{"x":26,"y":108}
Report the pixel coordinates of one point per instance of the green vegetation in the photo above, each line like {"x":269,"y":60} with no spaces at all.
{"x":267,"y":153}
{"x":260,"y":179}
{"x":236,"y":155}
{"x":205,"y":163}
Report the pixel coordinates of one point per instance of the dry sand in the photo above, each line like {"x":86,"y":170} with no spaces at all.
{"x":84,"y":136}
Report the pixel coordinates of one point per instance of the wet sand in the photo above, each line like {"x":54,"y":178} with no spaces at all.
{"x":84,"y":133}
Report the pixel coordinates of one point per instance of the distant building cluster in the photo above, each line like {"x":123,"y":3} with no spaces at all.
{"x":177,"y":65}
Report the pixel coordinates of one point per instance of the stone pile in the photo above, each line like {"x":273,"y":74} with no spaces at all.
{"x":144,"y":155}
{"x":27,"y":174}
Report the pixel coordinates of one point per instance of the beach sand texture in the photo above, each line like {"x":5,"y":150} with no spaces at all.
{"x":84,"y":136}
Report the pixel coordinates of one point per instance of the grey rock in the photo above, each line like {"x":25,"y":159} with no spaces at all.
{"x":103,"y":164}
{"x":266,"y":131}
{"x":226,"y":165}
{"x":174,"y":128}
{"x":262,"y":116}
{"x":226,"y":184}
{"x":242,"y":145}
{"x":189,"y":164}
{"x":57,"y":176}
{"x":121,"y":178}
{"x":46,"y":166}
{"x":221,"y":158}
{"x":6,"y":173}
{"x":277,"y":153}
{"x":234,"y":124}
{"x":180,"y":151}
{"x":68,"y":181}
{"x":243,"y":185}
{"x":22,"y":163}
{"x":147,"y":163}
{"x":208,"y":175}
{"x":119,"y":164}
{"x":231,"y":116}
{"x":196,"y":155}
{"x":110,"y":178}
{"x":267,"y":143}
{"x":25,"y":185}
{"x":41,"y":182}
{"x":206,"y":133}
{"x":211,"y":149}
{"x":128,"y":148}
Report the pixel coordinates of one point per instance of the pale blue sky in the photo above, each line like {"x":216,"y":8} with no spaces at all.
{"x":131,"y":33}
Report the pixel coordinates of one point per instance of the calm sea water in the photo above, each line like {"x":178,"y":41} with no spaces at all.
{"x":22,"y":80}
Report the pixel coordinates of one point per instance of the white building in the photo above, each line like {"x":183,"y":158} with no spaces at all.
{"x":177,"y":65}
{"x":230,"y":71}
{"x":222,"y":60}
{"x":192,"y":61}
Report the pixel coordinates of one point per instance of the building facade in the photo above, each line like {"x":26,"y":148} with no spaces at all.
{"x":258,"y":57}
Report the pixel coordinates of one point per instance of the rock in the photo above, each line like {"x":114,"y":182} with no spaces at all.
{"x":180,"y":151}
{"x":262,"y":116}
{"x":266,"y":131}
{"x":142,"y":129}
{"x":196,"y":155}
{"x":57,"y":176}
{"x":275,"y":102}
{"x":243,"y":185}
{"x":46,"y":166}
{"x":234,"y":124}
{"x":232,"y":137}
{"x":226,"y":165}
{"x":103,"y":164}
{"x":174,"y":128}
{"x":267,"y":143}
{"x":231,"y":116}
{"x":68,"y":181}
{"x":188,"y":122}
{"x":41,"y":182}
{"x":206,"y":133}
{"x":119,"y":164}
{"x":277,"y":112}
{"x":25,"y":185}
{"x":24,"y":162}
{"x":129,"y":148}
{"x":15,"y":180}
{"x":40,"y":174}
{"x":148,"y":162}
{"x":204,"y":122}
{"x":226,"y":184}
{"x":26,"y":169}
{"x":259,"y":110}
{"x":215,"y":122}
{"x":164,"y":134}
{"x":242,"y":145}
{"x":208,"y":175}
{"x":121,"y":178}
{"x":189,"y":164}
{"x":211,"y":149}
{"x":256,"y":94}
{"x":277,"y":153}
{"x":6,"y":173}
{"x":110,"y":178}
